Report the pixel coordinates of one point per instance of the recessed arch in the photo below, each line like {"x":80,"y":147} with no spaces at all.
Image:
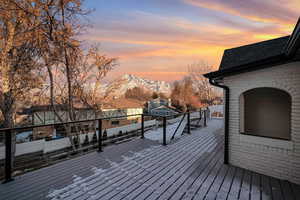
{"x":266,"y":112}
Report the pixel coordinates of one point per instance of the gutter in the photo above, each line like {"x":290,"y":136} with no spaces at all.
{"x":294,"y":42}
{"x":226,"y":127}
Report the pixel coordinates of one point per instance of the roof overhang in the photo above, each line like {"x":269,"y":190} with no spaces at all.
{"x":294,"y":42}
{"x":261,"y":64}
{"x":288,"y":55}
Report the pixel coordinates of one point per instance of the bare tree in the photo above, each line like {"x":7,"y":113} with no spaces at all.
{"x":43,"y":33}
{"x":205,"y":91}
{"x":18,"y":61}
{"x":72,"y":72}
{"x":138,"y":94}
{"x":183,"y":95}
{"x":90,"y":70}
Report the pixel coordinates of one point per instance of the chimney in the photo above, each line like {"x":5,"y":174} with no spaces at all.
{"x":169,"y":102}
{"x":149,"y":106}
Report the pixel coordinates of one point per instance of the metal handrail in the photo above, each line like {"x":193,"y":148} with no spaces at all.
{"x":64,"y":123}
{"x":173,"y":136}
{"x":8,"y":134}
{"x":86,"y":120}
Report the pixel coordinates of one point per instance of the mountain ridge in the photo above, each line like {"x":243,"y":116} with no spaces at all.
{"x":119,"y":86}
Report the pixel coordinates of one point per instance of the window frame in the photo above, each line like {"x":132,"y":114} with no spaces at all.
{"x":242,"y":116}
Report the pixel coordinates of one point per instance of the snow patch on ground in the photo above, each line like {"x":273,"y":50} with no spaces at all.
{"x":157,"y":133}
{"x":85,"y":185}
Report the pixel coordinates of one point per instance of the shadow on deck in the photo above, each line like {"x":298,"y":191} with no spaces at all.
{"x":189,"y":168}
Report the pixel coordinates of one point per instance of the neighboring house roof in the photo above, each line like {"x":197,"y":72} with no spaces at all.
{"x":39,"y":108}
{"x":111,"y":104}
{"x":259,"y":55}
{"x":122,"y":103}
{"x":165,"y":107}
{"x":59,"y":107}
{"x":159,"y":100}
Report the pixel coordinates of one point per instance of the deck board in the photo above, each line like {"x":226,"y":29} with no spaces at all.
{"x":225,"y":187}
{"x":287,"y":190}
{"x":246,"y":184}
{"x":201,"y":193}
{"x":214,"y":189}
{"x":266,"y":188}
{"x":276,"y":189}
{"x":255,"y":187}
{"x":236,"y":184}
{"x":193,"y":189}
{"x":296,"y":190}
{"x":190,"y":168}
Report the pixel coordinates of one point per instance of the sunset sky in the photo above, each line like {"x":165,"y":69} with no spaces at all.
{"x":157,"y":39}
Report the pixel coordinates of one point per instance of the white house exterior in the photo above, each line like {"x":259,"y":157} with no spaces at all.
{"x":261,"y":83}
{"x":112,"y":112}
{"x":273,"y":157}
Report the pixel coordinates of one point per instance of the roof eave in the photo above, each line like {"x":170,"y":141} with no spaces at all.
{"x":294,"y":42}
{"x":272,"y":61}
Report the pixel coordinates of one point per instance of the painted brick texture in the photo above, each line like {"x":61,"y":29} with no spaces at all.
{"x":283,"y":163}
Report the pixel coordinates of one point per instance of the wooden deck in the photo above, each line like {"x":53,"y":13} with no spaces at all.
{"x":189,"y":168}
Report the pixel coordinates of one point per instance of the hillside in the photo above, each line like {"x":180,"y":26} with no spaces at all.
{"x":119,"y":86}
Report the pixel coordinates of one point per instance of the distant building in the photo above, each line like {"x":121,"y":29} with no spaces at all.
{"x":121,"y":107}
{"x":161,"y":107}
{"x":44,"y":114}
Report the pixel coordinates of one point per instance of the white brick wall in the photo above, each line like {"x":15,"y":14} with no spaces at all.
{"x":277,"y":158}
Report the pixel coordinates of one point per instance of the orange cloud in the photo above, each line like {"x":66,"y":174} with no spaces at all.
{"x":149,"y":40}
{"x":267,"y":11}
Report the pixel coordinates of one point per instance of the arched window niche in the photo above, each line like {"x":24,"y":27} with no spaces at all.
{"x":266,"y":112}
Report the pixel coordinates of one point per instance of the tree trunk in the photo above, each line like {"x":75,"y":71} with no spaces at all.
{"x":69,"y":76}
{"x":67,"y":127}
{"x":7,"y":106}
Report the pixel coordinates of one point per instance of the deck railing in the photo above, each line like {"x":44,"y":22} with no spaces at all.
{"x":8,"y":166}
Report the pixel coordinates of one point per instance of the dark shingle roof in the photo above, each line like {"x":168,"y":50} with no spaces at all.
{"x":293,"y":44}
{"x":251,"y":53}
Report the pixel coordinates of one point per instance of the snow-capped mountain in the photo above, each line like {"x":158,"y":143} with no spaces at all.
{"x":128,"y":81}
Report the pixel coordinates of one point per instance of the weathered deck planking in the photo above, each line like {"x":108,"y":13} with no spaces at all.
{"x":276,"y":189}
{"x":225,"y":187}
{"x":197,"y":183}
{"x":246,"y":184}
{"x":255,"y":187}
{"x":266,"y":188}
{"x":287,"y":190}
{"x":190,"y":168}
{"x":215,"y":187}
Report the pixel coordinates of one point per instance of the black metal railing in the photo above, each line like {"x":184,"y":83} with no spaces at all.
{"x":8,"y":166}
{"x":173,"y":136}
{"x":203,"y":116}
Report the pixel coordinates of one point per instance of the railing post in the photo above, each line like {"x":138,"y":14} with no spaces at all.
{"x":164,"y":130}
{"x":142,"y":128}
{"x":99,"y":135}
{"x":189,"y":122}
{"x":200,"y":113}
{"x":205,"y":115}
{"x":8,"y":156}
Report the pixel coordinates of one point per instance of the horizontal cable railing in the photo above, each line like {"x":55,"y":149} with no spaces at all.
{"x":97,"y":134}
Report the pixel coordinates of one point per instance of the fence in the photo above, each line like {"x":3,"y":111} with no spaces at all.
{"x":180,"y":124}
